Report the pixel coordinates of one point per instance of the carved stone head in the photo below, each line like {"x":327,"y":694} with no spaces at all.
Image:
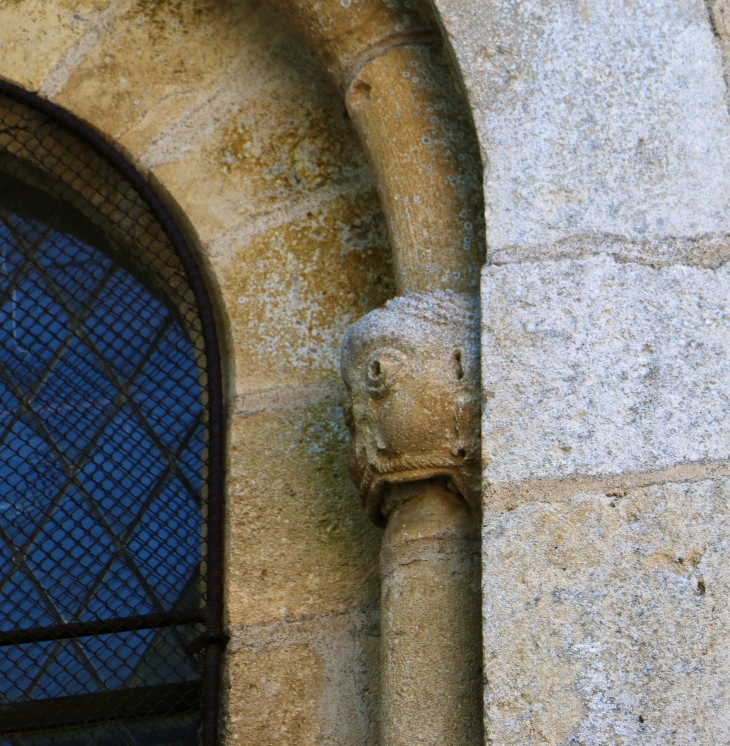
{"x":412,"y":372}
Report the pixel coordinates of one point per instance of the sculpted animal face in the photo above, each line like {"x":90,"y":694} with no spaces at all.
{"x":412,"y":372}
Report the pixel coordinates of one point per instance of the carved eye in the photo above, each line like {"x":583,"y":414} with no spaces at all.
{"x":382,"y":368}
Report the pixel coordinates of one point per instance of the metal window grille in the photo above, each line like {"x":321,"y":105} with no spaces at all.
{"x":111,"y":451}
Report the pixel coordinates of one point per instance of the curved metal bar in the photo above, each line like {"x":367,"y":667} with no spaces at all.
{"x":216,"y":428}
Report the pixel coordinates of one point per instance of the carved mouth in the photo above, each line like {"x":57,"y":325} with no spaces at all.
{"x":384,"y":471}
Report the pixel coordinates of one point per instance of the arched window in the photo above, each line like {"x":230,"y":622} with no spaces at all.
{"x":110,"y":450}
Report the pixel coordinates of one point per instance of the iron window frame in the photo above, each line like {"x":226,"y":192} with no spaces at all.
{"x":214,"y":639}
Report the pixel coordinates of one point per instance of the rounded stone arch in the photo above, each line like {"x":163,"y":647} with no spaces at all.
{"x":310,"y":255}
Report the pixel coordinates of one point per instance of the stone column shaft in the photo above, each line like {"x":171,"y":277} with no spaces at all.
{"x":430,"y":610}
{"x":413,"y":398}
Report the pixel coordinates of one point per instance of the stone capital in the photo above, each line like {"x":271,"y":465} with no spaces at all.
{"x":412,"y":372}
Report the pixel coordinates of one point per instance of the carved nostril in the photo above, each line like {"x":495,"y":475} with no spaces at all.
{"x":459,"y":366}
{"x":375,"y":369}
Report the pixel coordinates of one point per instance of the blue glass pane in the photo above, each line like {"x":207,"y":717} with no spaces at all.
{"x":11,"y":259}
{"x":9,"y":409}
{"x":160,"y":663}
{"x":70,"y":554}
{"x":170,"y":374}
{"x":121,"y":593}
{"x":124,"y":323}
{"x":167,"y":542}
{"x":115,"y":657}
{"x":123,"y":471}
{"x":25,"y":606}
{"x":68,"y":672}
{"x":101,"y":471}
{"x":190,"y":457}
{"x":22,"y":667}
{"x":77,"y":271}
{"x":73,"y":400}
{"x":31,"y":482}
{"x":33,"y":330}
{"x":7,"y":568}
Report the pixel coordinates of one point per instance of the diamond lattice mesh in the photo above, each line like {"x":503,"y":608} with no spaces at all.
{"x":102,"y":453}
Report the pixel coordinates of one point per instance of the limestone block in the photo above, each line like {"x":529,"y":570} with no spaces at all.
{"x":274,"y":697}
{"x":593,"y":367}
{"x":220,"y":94}
{"x":298,"y":540}
{"x":606,"y":619}
{"x":285,"y":146}
{"x":305,"y":681}
{"x":595,"y":118}
{"x":159,"y":60}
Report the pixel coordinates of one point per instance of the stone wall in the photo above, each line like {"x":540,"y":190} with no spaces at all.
{"x":604,"y":130}
{"x":228,"y":115}
{"x":605,"y":340}
{"x":604,"y":547}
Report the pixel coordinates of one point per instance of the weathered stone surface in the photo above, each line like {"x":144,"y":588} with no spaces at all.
{"x":431,"y":660}
{"x":606,"y":619}
{"x":280,"y":697}
{"x":299,"y":542}
{"x":720,"y":18}
{"x":597,"y":368}
{"x":283,"y":140}
{"x":595,"y":118}
{"x":37,"y":35}
{"x":234,"y":121}
{"x":160,"y":62}
{"x":306,"y":681}
{"x":386,"y":59}
{"x":412,"y":374}
{"x":420,"y":142}
{"x":292,"y":291}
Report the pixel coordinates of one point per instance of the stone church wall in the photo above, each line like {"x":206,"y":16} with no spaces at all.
{"x":604,"y":133}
